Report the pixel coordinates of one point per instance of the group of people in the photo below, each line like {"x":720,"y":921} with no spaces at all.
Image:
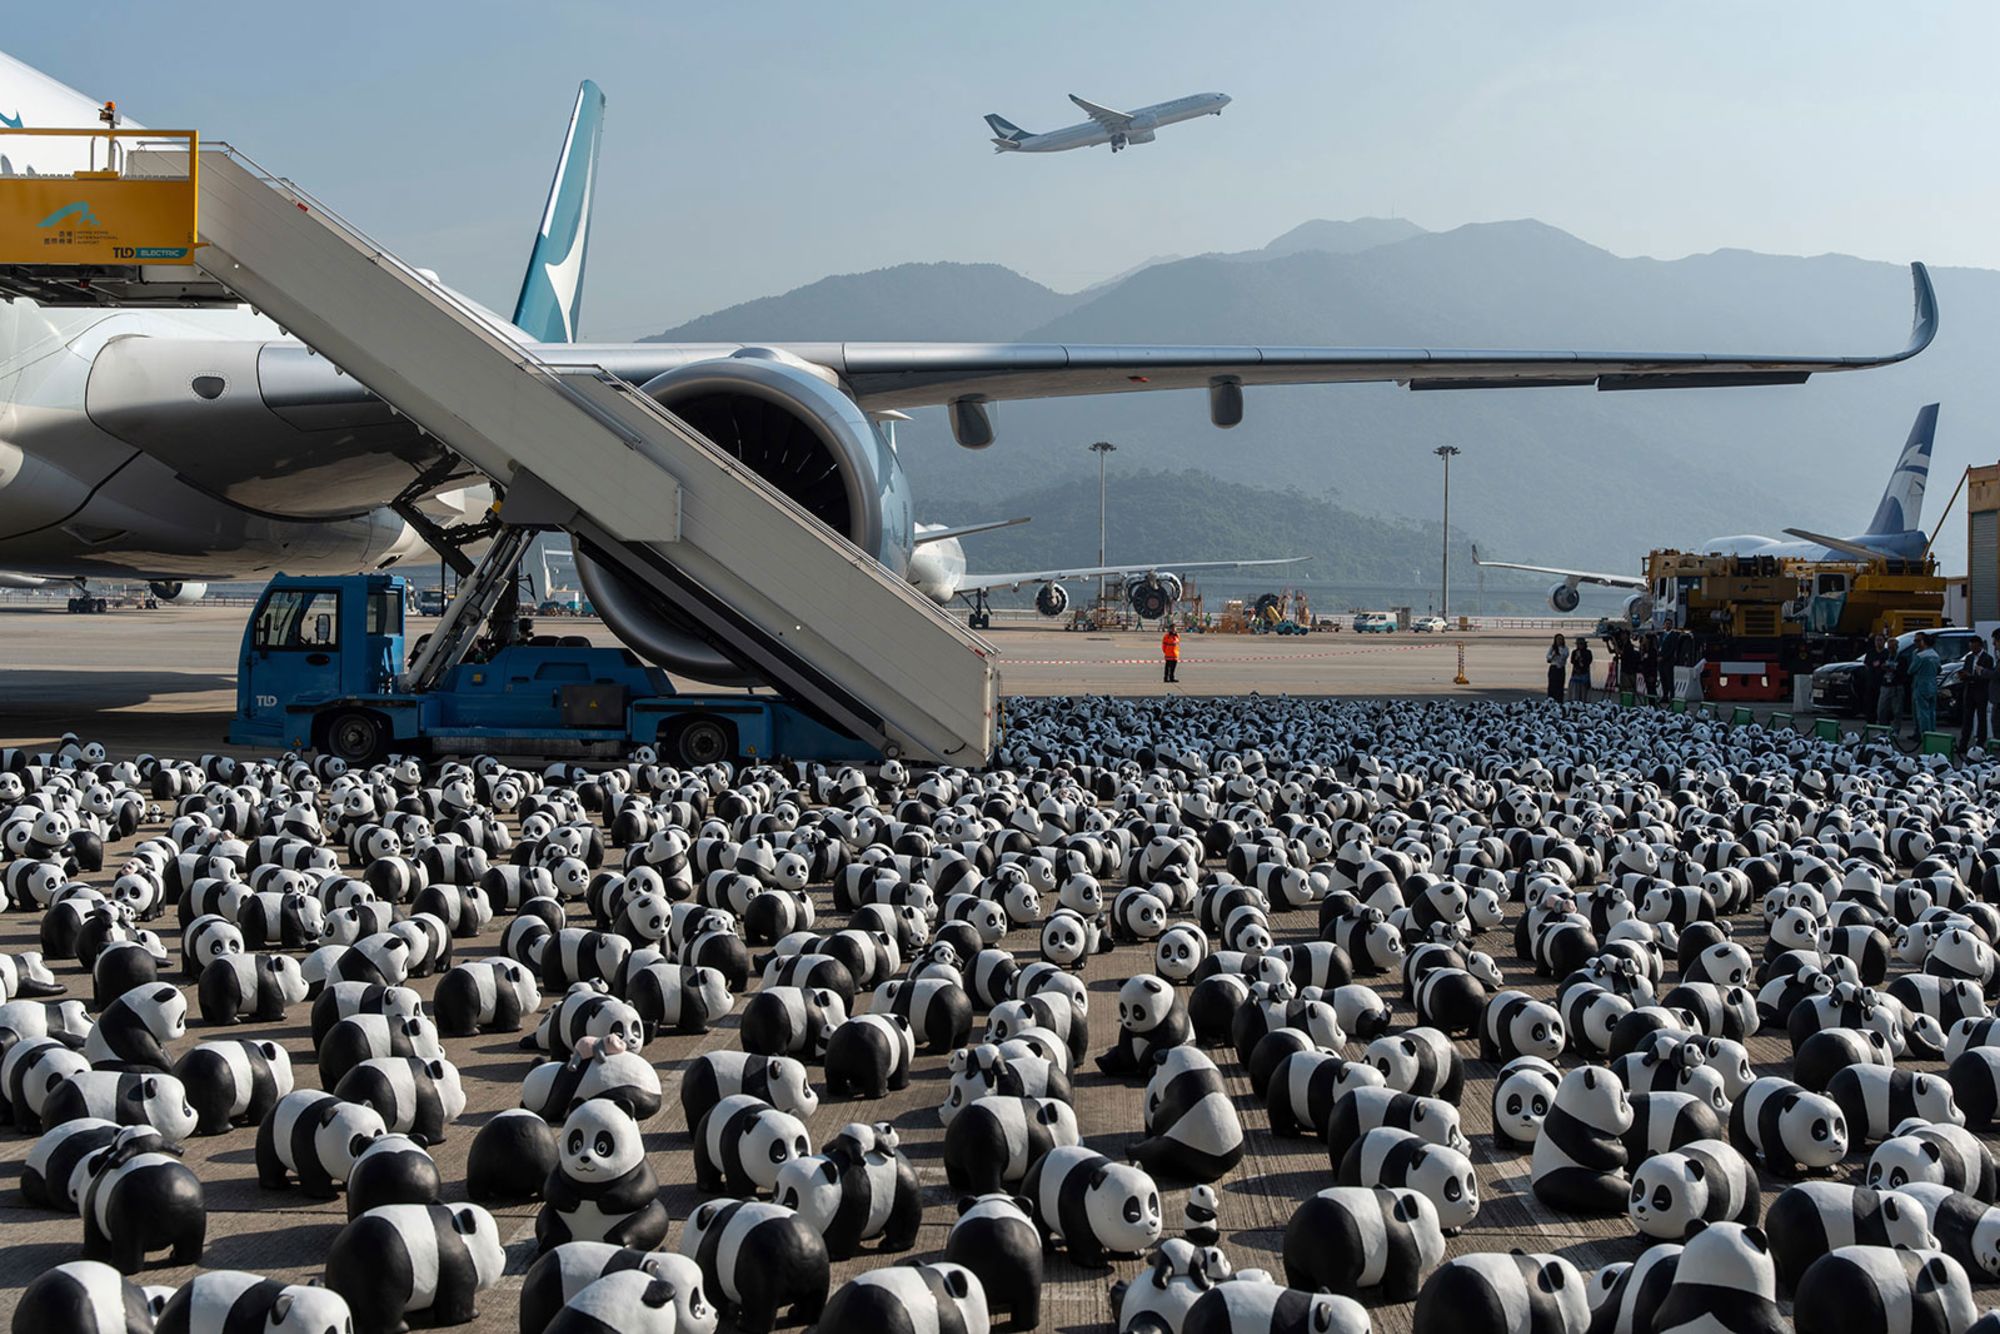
{"x":1887,"y":675}
{"x":1642,"y":664}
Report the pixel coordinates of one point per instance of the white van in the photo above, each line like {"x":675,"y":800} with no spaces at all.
{"x":1374,"y":623}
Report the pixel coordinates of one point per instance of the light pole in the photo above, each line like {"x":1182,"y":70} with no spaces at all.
{"x":1447,"y":453}
{"x":1101,"y":448}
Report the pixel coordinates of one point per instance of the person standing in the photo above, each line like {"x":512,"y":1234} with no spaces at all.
{"x":1628,"y":663}
{"x":1889,"y":697}
{"x":1993,"y":685}
{"x":1649,"y":665}
{"x":1924,"y":667}
{"x":1558,"y":659}
{"x":1170,"y":651}
{"x":1975,"y":678}
{"x":1875,"y":665}
{"x":1580,"y":659}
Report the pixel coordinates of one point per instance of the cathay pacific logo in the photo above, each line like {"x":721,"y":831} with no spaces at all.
{"x":12,"y":122}
{"x":79,"y":212}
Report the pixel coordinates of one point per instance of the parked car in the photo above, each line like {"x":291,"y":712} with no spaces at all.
{"x":1374,"y":623}
{"x":1836,"y":686}
{"x":1428,"y":625}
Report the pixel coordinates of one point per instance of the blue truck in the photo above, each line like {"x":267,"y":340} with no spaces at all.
{"x":321,"y":668}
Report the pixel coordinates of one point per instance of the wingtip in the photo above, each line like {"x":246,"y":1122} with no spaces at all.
{"x":1924,"y":324}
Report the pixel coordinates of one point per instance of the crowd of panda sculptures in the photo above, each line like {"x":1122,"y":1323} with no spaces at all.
{"x":1749,"y":1017}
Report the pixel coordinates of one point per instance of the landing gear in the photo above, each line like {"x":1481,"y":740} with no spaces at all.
{"x":83,"y":604}
{"x":981,"y":617}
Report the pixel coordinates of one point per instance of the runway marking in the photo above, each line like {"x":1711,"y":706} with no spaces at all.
{"x":1155,"y":660}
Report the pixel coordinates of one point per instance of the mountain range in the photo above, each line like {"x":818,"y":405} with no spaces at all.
{"x":1569,"y":476}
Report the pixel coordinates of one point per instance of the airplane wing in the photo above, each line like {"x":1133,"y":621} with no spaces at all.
{"x":1846,"y":547}
{"x":1112,"y":122}
{"x":1578,"y":576}
{"x":914,"y":375}
{"x":965,"y":530}
{"x":977,"y":583}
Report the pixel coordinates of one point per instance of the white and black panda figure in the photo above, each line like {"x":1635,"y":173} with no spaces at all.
{"x":1831,"y":1050}
{"x":1419,"y":1060}
{"x":315,"y":1137}
{"x":1350,"y":1238}
{"x":1625,"y":1297}
{"x":1726,"y":1278}
{"x":758,"y":1259}
{"x":938,"y":1010}
{"x":1179,"y":951}
{"x":50,"y":1176}
{"x":1579,"y":1158}
{"x":782,"y":1081}
{"x":83,"y":1297}
{"x":416,"y":1097}
{"x":249,"y":987}
{"x":1975,"y":1084}
{"x":991,"y":1144}
{"x":233,"y":1082}
{"x":222,"y":1301}
{"x":870,"y":1055}
{"x":1707,"y":1181}
{"x":1363,"y":1109}
{"x":597,"y":1068}
{"x":1491,"y":1293}
{"x":1193,"y":1133}
{"x":364,"y":1037}
{"x":1814,"y":1217}
{"x":603,"y":1187}
{"x":1160,"y":1298}
{"x":989,"y":1068}
{"x":1389,"y":1157}
{"x":858,"y":1188}
{"x":1968,"y":1230}
{"x":400,"y":1259}
{"x":908,"y":1299}
{"x":1946,"y":1154}
{"x":1306,"y":1085}
{"x":1515,"y":1024}
{"x":791,"y":1021}
{"x":1245,"y":1305}
{"x":140,"y":1198}
{"x":485,"y":996}
{"x":132,"y":1032}
{"x":586,"y":1010}
{"x":159,"y":1101}
{"x":995,"y":1239}
{"x":1450,"y":999}
{"x":1876,"y":1100}
{"x":394,"y":1169}
{"x":1870,"y":1289}
{"x":341,"y":999}
{"x":1151,"y":1018}
{"x":628,"y":1301}
{"x":1523,"y":1092}
{"x":557,"y":1279}
{"x":1788,"y":1130}
{"x":679,"y":998}
{"x":742,"y":1143}
{"x":1201,"y":1216}
{"x":511,"y":1157}
{"x":1663,"y":1122}
{"x":1095,"y":1207}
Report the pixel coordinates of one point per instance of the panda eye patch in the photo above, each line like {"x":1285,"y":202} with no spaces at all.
{"x":1541,"y":1105}
{"x":576,"y":1141}
{"x":1133,"y":1211}
{"x":1513,"y":1104}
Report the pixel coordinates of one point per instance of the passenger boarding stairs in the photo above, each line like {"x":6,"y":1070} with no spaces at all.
{"x":825,"y":623}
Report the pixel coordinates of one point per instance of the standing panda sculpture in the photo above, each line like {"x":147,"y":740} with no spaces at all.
{"x":315,"y":1137}
{"x":141,"y":1199}
{"x":559,"y":1277}
{"x":511,"y":1158}
{"x":1151,"y":1018}
{"x":1000,"y":1244}
{"x":1093,"y":1206}
{"x":233,"y":1081}
{"x":86,"y":1296}
{"x":940,"y":1298}
{"x":603,"y":1187}
{"x":1707,"y":1181}
{"x":1515,"y":1293}
{"x":1419,"y":1060}
{"x":1814,"y":1217}
{"x":222,"y":1301}
{"x":992,"y":1143}
{"x":758,"y":1259}
{"x":743,"y":1143}
{"x":1726,"y":1277}
{"x":1192,"y":1130}
{"x":859,"y":1187}
{"x":1350,"y":1238}
{"x":1869,"y":1289}
{"x":1579,"y":1158}
{"x":1248,"y":1304}
{"x":397,"y":1259}
{"x":1387,"y":1157}
{"x":1787,"y":1130}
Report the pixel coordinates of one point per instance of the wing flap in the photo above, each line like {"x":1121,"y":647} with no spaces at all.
{"x":1114,"y":122}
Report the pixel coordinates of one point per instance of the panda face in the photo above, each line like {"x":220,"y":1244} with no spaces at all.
{"x":1814,"y":1131}
{"x":1144,"y":1003}
{"x":809,"y":1185}
{"x":1064,"y":940}
{"x":1123,"y":1206}
{"x":1663,"y":1200}
{"x":1521,"y":1104}
{"x":346,"y":1136}
{"x":301,"y":1309}
{"x":600,"y":1142}
{"x":1538,"y":1031}
{"x":1902,"y":1159}
{"x":772,"y":1139}
{"x":1445,"y":1178}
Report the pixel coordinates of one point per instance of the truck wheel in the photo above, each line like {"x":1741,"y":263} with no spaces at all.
{"x":357,"y":737}
{"x":698,"y":741}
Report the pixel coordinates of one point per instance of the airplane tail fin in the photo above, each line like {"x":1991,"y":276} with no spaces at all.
{"x":1006,"y":134}
{"x":551,"y":301}
{"x":1902,"y":506}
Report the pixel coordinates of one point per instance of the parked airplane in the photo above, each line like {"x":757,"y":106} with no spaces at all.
{"x":173,"y":444}
{"x":1105,"y":126}
{"x":1893,"y":532}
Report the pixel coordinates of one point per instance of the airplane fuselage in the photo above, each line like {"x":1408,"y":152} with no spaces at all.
{"x":1906,"y":545}
{"x":1145,"y":121}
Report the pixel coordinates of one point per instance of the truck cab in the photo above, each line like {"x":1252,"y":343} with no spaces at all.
{"x":310,"y":642}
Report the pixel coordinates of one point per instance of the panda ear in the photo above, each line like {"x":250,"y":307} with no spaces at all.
{"x":1696,"y":1170}
{"x":1100,"y":1174}
{"x":281,"y":1309}
{"x":659,"y":1294}
{"x":1755,"y":1236}
{"x":1931,"y":1150}
{"x":1694,"y":1226}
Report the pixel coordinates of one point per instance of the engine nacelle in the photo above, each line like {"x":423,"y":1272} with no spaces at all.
{"x":1153,"y":597}
{"x":1564,"y":597}
{"x":1052,"y":600}
{"x":179,"y":592}
{"x":1135,"y":135}
{"x":1639,"y":609}
{"x":789,"y":423}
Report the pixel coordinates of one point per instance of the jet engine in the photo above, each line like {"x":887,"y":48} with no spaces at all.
{"x":177,"y":591}
{"x":1052,"y":600}
{"x":1564,"y":597}
{"x":1639,"y":609}
{"x":788,"y":422}
{"x":1140,"y":131}
{"x":1154,"y":596}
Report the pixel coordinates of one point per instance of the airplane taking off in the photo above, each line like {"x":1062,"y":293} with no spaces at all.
{"x":1105,"y":126}
{"x":174,"y":444}
{"x":1893,"y":533}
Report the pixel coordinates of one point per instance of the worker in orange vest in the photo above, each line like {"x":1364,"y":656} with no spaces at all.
{"x":1170,"y":649}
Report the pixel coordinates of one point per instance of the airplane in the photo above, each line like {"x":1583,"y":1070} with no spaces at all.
{"x":1893,"y":533}
{"x":174,"y":445}
{"x":1105,"y":126}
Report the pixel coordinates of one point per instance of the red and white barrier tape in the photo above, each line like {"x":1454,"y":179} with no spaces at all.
{"x":1155,"y":660}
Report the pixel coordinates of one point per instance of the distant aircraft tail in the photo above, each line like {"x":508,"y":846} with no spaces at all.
{"x":1006,"y":134}
{"x":1902,"y":506}
{"x":551,"y":302}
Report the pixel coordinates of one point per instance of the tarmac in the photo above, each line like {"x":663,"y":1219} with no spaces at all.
{"x":163,"y":681}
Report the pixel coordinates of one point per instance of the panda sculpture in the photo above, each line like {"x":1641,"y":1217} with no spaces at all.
{"x":416,"y":1097}
{"x":1363,"y":1109}
{"x":140,"y":1199}
{"x":511,"y":1158}
{"x":679,"y":998}
{"x":1091,"y":1205}
{"x":1966,"y":1229}
{"x":1875,"y":1100}
{"x":992,"y":1143}
{"x":1492,"y":1293}
{"x":1663,"y":1122}
{"x":132,"y":1032}
{"x":1350,"y":1238}
{"x":1161,"y":1297}
{"x":363,"y":1037}
{"x":254,"y":987}
{"x":742,"y":1143}
{"x":1871,"y":1289}
{"x":1975,"y":1084}
{"x":1387,"y":1157}
{"x":859,"y":1187}
{"x":1786,"y":1129}
{"x":85,"y":1296}
{"x":870,"y":1055}
{"x":1707,"y":1181}
{"x":603,"y":1187}
{"x":1814,"y":1217}
{"x":597,"y":1068}
{"x":791,"y":1021}
{"x":222,"y":1301}
{"x":908,"y":1299}
{"x":1523,"y":1092}
{"x":1151,"y":1018}
{"x":1246,"y":1304}
{"x":995,"y":1239}
{"x":399,"y":1259}
{"x":1515,"y":1024}
{"x":394,"y":1169}
{"x":1946,"y":1154}
{"x":782,"y":1081}
{"x":159,"y":1101}
{"x":485,"y":996}
{"x":50,"y":1175}
{"x":1305,"y":1086}
{"x":1625,"y":1297}
{"x":758,"y":1259}
{"x":1579,"y":1158}
{"x":233,"y":1082}
{"x":989,"y":1068}
{"x":556,"y":1280}
{"x":314,"y":1137}
{"x":1192,"y":1131}
{"x":1419,"y":1060}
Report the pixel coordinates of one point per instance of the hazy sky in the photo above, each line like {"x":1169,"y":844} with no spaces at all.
{"x":753,"y":147}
